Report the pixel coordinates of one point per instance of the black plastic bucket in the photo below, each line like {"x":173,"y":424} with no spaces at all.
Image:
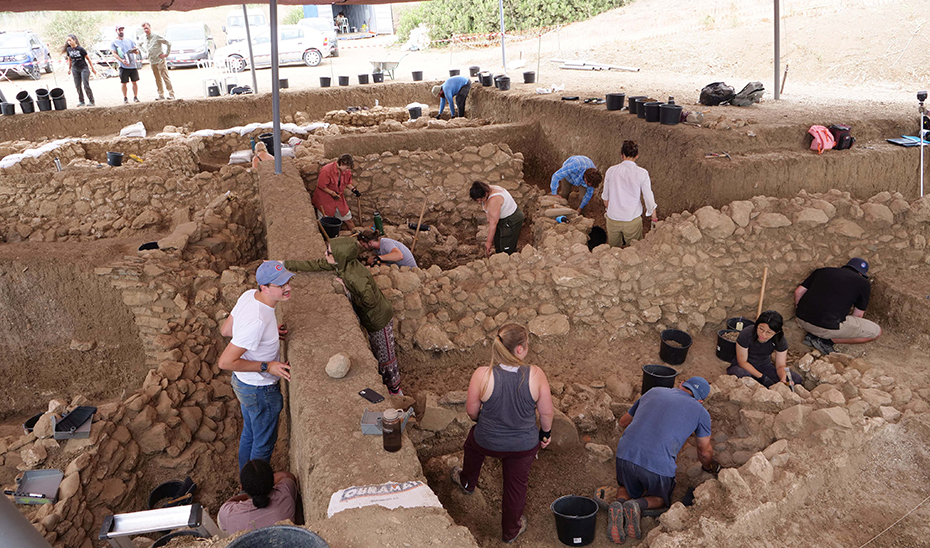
{"x":674,"y":355}
{"x":42,"y":100}
{"x":325,"y":81}
{"x":58,"y":98}
{"x":8,"y":109}
{"x":615,"y":101}
{"x":641,"y":106}
{"x":213,"y":91}
{"x":474,"y":71}
{"x":115,"y":159}
{"x":30,"y":424}
{"x":497,"y":81}
{"x":575,"y":519}
{"x":377,"y":77}
{"x":25,"y":102}
{"x":362,"y":78}
{"x":652,"y":111}
{"x":283,"y":83}
{"x":230,"y":88}
{"x":657,"y":375}
{"x":343,"y":80}
{"x":732,"y":323}
{"x":486,"y":79}
{"x":454,"y":72}
{"x":631,"y":103}
{"x":268,"y":139}
{"x":504,"y":83}
{"x":331,"y":225}
{"x":726,"y":350}
{"x":529,"y":77}
{"x":670,"y":115}
{"x":415,"y":112}
{"x":279,"y":535}
{"x":417,"y":75}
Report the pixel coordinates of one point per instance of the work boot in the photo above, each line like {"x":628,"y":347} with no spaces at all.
{"x":615,"y":526}
{"x":456,"y":476}
{"x":520,"y":532}
{"x":631,"y":515}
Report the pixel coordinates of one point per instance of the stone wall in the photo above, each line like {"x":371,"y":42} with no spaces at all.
{"x":691,"y":270}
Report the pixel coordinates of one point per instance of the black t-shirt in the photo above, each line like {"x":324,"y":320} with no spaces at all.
{"x":78,"y":57}
{"x":760,"y":353}
{"x":831,"y":293}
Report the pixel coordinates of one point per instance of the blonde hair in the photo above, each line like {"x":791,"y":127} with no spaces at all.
{"x":260,"y":147}
{"x":506,"y":341}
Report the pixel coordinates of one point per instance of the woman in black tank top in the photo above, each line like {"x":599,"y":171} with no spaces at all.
{"x":503,"y":398}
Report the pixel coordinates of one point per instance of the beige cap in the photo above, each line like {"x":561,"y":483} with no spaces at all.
{"x":436,"y":90}
{"x":391,"y":414}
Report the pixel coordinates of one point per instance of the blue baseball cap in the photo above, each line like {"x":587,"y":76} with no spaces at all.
{"x":859,"y":265}
{"x":272,"y":272}
{"x":699,"y":387}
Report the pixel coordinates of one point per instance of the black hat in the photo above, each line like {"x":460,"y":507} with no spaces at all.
{"x":859,"y":265}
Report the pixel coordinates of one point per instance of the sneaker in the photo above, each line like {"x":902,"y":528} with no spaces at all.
{"x":171,"y":97}
{"x":615,"y":529}
{"x":825,"y":346}
{"x":160,"y":98}
{"x":81,"y":104}
{"x":397,"y":392}
{"x":520,"y":532}
{"x":91,"y":104}
{"x":631,"y":515}
{"x":135,"y":99}
{"x":457,"y":479}
{"x":125,"y":100}
{"x":601,"y":495}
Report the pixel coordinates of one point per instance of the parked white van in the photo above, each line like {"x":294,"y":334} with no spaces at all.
{"x":235,"y":24}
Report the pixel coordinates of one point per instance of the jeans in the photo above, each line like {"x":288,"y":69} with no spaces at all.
{"x":260,"y":406}
{"x":82,"y":78}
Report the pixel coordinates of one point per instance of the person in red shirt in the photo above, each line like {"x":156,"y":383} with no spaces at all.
{"x":329,"y":197}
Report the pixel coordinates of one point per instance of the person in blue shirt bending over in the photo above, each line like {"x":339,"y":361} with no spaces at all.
{"x":456,"y":87}
{"x":577,"y":171}
{"x":656,"y":428}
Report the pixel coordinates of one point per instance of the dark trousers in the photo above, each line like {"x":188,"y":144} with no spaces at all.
{"x":82,"y":77}
{"x":508,"y":232}
{"x":516,"y":466}
{"x":460,"y":100}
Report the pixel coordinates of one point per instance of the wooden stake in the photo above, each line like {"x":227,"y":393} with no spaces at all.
{"x":417,"y":233}
{"x":358,"y":200}
{"x":765,"y":276}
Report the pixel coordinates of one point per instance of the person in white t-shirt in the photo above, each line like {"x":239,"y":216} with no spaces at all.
{"x":252,"y":356}
{"x":624,"y":183}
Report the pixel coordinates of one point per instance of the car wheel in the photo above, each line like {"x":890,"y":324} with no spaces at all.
{"x":313,"y":57}
{"x":34,"y":72}
{"x":48,"y":68}
{"x":235,"y":63}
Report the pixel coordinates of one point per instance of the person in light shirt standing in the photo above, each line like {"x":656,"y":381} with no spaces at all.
{"x":159,"y":48}
{"x":624,"y":184}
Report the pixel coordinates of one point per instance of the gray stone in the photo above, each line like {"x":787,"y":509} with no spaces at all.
{"x":740,"y":211}
{"x":790,"y":422}
{"x":676,"y":517}
{"x":432,"y":337}
{"x":600,"y":453}
{"x":875,"y":397}
{"x":435,"y":417}
{"x":758,"y":467}
{"x":810,"y":217}
{"x":338,"y":366}
{"x":714,"y":224}
{"x":831,"y":417}
{"x":772,"y":220}
{"x":564,"y":433}
{"x":888,"y":413}
{"x":83,"y":346}
{"x":878,"y":214}
{"x":848,"y":228}
{"x":775,"y":448}
{"x":549,"y":326}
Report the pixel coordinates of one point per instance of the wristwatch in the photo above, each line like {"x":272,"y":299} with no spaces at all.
{"x":264,"y":367}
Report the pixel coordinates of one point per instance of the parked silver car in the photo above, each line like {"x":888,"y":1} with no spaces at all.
{"x":327,"y":27}
{"x":190,"y":44}
{"x":296,"y":44}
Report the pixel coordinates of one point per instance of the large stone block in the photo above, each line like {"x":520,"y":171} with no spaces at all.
{"x":548,"y":326}
{"x":435,"y":417}
{"x":713,"y":223}
{"x":564,"y":433}
{"x":831,"y":417}
{"x":790,"y":422}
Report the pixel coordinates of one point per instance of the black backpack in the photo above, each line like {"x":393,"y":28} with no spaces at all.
{"x":751,"y":93}
{"x":716,"y":93}
{"x":842,"y":136}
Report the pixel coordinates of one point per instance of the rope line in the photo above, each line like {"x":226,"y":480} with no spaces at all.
{"x":896,"y":522}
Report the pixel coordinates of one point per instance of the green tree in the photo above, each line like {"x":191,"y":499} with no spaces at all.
{"x":294,"y":15}
{"x":83,"y":24}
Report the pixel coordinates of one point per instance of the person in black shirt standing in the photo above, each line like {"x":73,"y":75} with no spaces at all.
{"x":824,"y":301}
{"x":80,"y":68}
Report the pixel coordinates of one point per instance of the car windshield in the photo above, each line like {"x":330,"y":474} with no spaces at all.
{"x":180,"y":34}
{"x":254,"y":20}
{"x":15,"y":41}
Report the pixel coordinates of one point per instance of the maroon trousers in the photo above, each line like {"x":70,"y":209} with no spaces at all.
{"x":516,"y":466}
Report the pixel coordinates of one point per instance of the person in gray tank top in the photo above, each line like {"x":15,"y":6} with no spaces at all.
{"x":503,"y":399}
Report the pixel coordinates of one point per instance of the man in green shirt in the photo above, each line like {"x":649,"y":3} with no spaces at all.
{"x":159,"y":48}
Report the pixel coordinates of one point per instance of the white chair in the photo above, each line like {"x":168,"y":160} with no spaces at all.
{"x":220,"y":75}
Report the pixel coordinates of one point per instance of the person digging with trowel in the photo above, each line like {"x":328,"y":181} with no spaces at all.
{"x":656,"y":428}
{"x":373,"y":309}
{"x":455,"y":91}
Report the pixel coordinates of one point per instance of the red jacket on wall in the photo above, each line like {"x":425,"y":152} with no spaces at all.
{"x":331,"y":180}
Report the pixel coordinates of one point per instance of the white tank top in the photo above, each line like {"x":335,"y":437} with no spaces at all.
{"x":509,"y":207}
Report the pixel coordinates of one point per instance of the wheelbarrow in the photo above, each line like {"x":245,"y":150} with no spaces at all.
{"x":386,"y":66}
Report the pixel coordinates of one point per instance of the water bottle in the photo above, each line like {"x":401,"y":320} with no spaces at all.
{"x":561,"y":219}
{"x":391,"y":429}
{"x":58,"y":164}
{"x":379,"y":224}
{"x":252,"y":142}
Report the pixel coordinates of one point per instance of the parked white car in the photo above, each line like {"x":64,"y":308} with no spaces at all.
{"x":295,"y":45}
{"x":327,"y":27}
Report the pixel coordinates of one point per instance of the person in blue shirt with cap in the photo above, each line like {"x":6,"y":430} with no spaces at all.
{"x":656,"y":428}
{"x":824,"y":301}
{"x":457,"y":88}
{"x":577,"y":171}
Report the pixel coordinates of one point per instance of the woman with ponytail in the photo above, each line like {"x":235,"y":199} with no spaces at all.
{"x":503,"y":398}
{"x":269,"y":497}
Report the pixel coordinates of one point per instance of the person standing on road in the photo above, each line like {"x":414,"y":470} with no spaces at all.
{"x":329,"y":196}
{"x":80,"y":67}
{"x":455,"y":91}
{"x":126,"y":50}
{"x":252,"y":356}
{"x":159,"y":48}
{"x":624,"y":183}
{"x":577,"y":171}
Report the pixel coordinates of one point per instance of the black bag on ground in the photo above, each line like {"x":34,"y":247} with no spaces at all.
{"x":842,"y":136}
{"x":717,"y":93}
{"x":751,"y":93}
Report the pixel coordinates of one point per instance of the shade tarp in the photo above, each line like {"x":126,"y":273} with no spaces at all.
{"x":156,"y":5}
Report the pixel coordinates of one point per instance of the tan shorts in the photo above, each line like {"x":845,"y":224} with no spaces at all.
{"x":338,"y":215}
{"x":623,"y":232}
{"x":853,"y":327}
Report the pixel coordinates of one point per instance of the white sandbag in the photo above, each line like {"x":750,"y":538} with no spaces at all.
{"x":240,"y":157}
{"x":135,"y":130}
{"x":288,"y":152}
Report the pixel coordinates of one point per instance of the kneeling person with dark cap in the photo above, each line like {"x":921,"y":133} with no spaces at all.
{"x":824,"y":301}
{"x":656,"y":428}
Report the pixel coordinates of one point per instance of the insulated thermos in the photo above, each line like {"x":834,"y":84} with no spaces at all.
{"x":379,"y":224}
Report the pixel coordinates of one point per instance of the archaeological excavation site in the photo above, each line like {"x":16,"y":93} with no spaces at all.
{"x":116,"y":281}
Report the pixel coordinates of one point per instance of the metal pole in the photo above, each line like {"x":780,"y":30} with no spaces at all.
{"x":922,"y":133}
{"x":248,"y":39}
{"x":500,"y":3}
{"x":17,"y":531}
{"x":777,"y":51}
{"x":275,"y":93}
